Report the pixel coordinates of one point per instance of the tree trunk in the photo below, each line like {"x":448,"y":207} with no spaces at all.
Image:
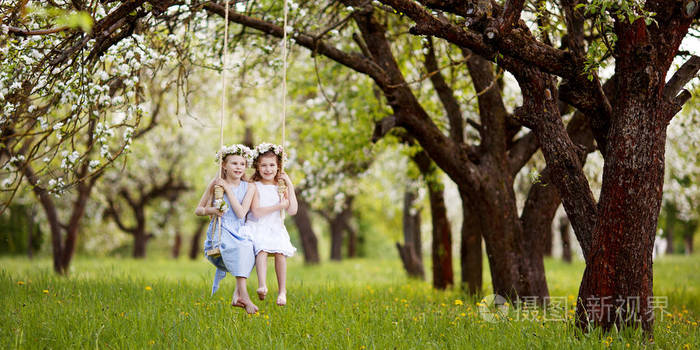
{"x":688,"y":242}
{"x":547,"y":243}
{"x":140,"y":235}
{"x":352,"y":243}
{"x":670,"y":225}
{"x":309,"y":242}
{"x":30,"y":231}
{"x":177,"y":244}
{"x":441,"y":247}
{"x":470,"y":249}
{"x":410,"y":251}
{"x":618,"y":274}
{"x":565,"y":239}
{"x":443,"y":275}
{"x":140,"y":240}
{"x":195,"y":248}
{"x":337,"y":231}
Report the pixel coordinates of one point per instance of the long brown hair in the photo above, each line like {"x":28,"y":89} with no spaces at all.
{"x":256,"y":164}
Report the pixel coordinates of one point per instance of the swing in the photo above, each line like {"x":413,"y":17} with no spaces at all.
{"x":218,"y":190}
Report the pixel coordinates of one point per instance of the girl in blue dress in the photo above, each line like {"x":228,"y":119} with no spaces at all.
{"x":237,"y":254}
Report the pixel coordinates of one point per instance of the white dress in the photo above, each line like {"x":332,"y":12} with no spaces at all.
{"x":268,"y":232}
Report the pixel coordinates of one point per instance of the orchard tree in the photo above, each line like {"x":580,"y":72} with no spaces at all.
{"x":641,"y":40}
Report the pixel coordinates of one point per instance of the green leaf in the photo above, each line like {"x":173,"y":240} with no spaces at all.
{"x":80,"y":20}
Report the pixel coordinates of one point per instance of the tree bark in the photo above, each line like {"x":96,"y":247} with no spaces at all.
{"x":309,"y":242}
{"x":470,"y":249}
{"x":565,"y":239}
{"x":410,"y":251}
{"x":337,"y":233}
{"x":670,"y":226}
{"x":195,"y":248}
{"x":688,"y":242}
{"x":441,"y":246}
{"x":177,"y":244}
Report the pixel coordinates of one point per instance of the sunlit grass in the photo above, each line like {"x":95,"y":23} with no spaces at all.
{"x":160,"y":303}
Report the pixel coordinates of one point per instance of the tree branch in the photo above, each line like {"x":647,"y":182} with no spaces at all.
{"x":445,"y":93}
{"x":354,"y":61}
{"x":683,"y":75}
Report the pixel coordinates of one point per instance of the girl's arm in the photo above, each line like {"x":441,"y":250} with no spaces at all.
{"x":235,"y":206}
{"x":262,"y":211}
{"x":248,"y":199}
{"x":291,"y":195}
{"x":204,"y":207}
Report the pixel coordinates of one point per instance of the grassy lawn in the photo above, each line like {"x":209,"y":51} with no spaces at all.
{"x":356,"y":304}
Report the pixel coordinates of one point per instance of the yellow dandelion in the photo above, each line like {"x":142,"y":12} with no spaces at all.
{"x":686,"y":346}
{"x":20,"y":283}
{"x":694,"y":323}
{"x":463,"y":314}
{"x":459,"y":302}
{"x":46,"y":291}
{"x":148,"y":288}
{"x":151,"y":342}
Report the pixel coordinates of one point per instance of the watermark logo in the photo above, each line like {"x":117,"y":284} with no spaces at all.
{"x":493,"y":308}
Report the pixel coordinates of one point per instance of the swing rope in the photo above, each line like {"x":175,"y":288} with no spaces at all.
{"x":218,"y":190}
{"x":281,"y":186}
{"x":284,"y":82}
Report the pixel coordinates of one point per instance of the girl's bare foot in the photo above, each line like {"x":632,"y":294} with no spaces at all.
{"x":248,"y":305}
{"x":262,"y":292}
{"x":282,"y":299}
{"x":236,"y":300}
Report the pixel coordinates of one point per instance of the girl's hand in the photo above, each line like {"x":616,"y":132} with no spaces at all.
{"x":284,"y":203}
{"x":220,"y":182}
{"x":286,"y":178}
{"x":214,"y":211}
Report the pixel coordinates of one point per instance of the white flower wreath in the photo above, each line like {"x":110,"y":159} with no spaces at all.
{"x":266,"y":147}
{"x":239,"y":150}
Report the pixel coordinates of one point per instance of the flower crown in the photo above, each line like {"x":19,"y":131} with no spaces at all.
{"x":266,"y":147}
{"x":237,"y":149}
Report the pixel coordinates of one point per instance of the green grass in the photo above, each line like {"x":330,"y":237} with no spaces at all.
{"x":158,"y":303}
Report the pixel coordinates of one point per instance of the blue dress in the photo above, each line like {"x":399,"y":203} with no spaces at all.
{"x":237,"y":255}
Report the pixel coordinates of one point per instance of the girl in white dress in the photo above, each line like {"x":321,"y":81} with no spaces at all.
{"x":266,"y":226}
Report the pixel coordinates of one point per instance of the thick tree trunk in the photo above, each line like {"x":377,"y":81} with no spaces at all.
{"x":410,"y":251}
{"x":337,"y":231}
{"x":443,"y":275}
{"x":619,"y":273}
{"x":140,"y":240}
{"x":470,"y":249}
{"x":565,"y":239}
{"x":309,"y":242}
{"x":441,"y":252}
{"x":339,"y":225}
{"x":195,"y":247}
{"x":547,"y":244}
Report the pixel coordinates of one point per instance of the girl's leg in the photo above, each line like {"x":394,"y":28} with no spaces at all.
{"x":242,"y":298}
{"x":281,"y":270}
{"x":261,"y":269}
